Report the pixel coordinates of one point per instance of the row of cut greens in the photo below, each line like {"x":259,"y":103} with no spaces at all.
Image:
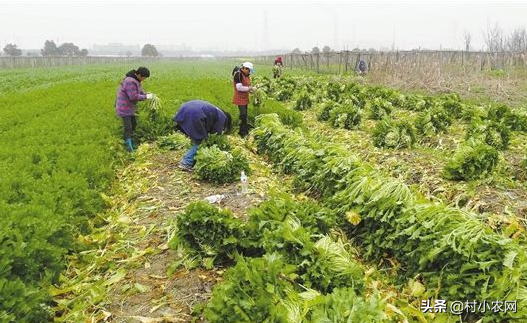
{"x":344,"y":104}
{"x":288,"y":266}
{"x":448,"y":247}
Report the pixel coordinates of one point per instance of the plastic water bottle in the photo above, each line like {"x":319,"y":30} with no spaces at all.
{"x":243,"y":180}
{"x":215,"y":198}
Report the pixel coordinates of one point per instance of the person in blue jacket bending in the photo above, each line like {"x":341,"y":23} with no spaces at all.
{"x":197,"y":119}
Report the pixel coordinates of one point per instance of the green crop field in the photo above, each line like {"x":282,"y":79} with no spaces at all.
{"x":364,"y":203}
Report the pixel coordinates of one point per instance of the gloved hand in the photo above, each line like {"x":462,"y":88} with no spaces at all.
{"x":150,"y":96}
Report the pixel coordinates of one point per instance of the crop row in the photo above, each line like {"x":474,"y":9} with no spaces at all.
{"x":54,"y":162}
{"x":447,"y":247}
{"x":288,"y":266}
{"x":345,"y":104}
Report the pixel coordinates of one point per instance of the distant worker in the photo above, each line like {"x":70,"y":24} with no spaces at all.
{"x":277,"y":67}
{"x":362,"y":67}
{"x":197,"y":119}
{"x":242,"y":87}
{"x":129,"y":93}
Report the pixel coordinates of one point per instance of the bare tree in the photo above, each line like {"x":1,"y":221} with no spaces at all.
{"x":494,"y":38}
{"x":467,"y":38}
{"x":517,"y":40}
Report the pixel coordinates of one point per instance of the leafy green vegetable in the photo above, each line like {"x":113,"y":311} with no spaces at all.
{"x":493,"y":134}
{"x":451,"y":104}
{"x":472,"y":161}
{"x":284,"y":95}
{"x":517,"y":121}
{"x":316,"y":219}
{"x":258,"y":97}
{"x":304,"y":101}
{"x":379,"y":108}
{"x":335,"y":90}
{"x":415,"y":103}
{"x":324,"y":110}
{"x":217,"y":166}
{"x":251,"y":291}
{"x":220,"y":141}
{"x":433,"y":121}
{"x":287,"y":116}
{"x":498,"y":112}
{"x":344,"y":305}
{"x":153,"y":121}
{"x":392,"y":134}
{"x":208,"y":232}
{"x":173,"y":141}
{"x":345,"y":115}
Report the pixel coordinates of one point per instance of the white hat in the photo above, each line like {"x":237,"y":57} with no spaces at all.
{"x":249,"y":65}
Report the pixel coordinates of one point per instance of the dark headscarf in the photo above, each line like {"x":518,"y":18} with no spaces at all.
{"x":143,"y":71}
{"x":132,"y":74}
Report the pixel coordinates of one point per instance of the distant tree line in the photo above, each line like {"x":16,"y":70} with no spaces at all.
{"x":66,"y":49}
{"x":50,"y":49}
{"x":70,"y":50}
{"x":12,"y":50}
{"x":496,"y":40}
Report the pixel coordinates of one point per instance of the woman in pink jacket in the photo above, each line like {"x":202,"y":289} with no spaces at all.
{"x":128,"y":94}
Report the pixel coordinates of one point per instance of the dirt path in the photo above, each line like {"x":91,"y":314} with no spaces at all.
{"x":131,"y":266}
{"x":170,"y":298}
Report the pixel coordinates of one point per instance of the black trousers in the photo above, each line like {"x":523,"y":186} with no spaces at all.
{"x":129,"y":124}
{"x":244,"y":127}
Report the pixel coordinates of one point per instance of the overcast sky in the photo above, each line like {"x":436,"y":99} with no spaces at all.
{"x":257,"y":25}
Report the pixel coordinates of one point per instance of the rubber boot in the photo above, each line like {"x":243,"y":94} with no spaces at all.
{"x":129,"y":145}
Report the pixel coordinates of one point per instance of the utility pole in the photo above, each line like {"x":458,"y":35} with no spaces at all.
{"x":335,"y":31}
{"x":393,"y":38}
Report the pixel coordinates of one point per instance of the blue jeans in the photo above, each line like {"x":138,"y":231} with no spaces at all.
{"x":188,"y":159}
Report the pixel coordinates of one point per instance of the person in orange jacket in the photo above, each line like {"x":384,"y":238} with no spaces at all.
{"x":242,"y":87}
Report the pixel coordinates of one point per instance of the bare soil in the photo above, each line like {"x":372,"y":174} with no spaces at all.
{"x":164,"y":297}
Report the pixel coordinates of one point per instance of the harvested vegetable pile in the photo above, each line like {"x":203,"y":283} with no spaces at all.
{"x":218,"y":166}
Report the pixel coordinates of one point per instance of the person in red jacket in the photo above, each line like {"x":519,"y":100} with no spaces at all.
{"x":277,"y":67}
{"x":242,"y":87}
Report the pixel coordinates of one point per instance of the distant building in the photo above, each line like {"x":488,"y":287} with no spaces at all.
{"x":30,"y":52}
{"x":116,"y":49}
{"x":171,"y":47}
